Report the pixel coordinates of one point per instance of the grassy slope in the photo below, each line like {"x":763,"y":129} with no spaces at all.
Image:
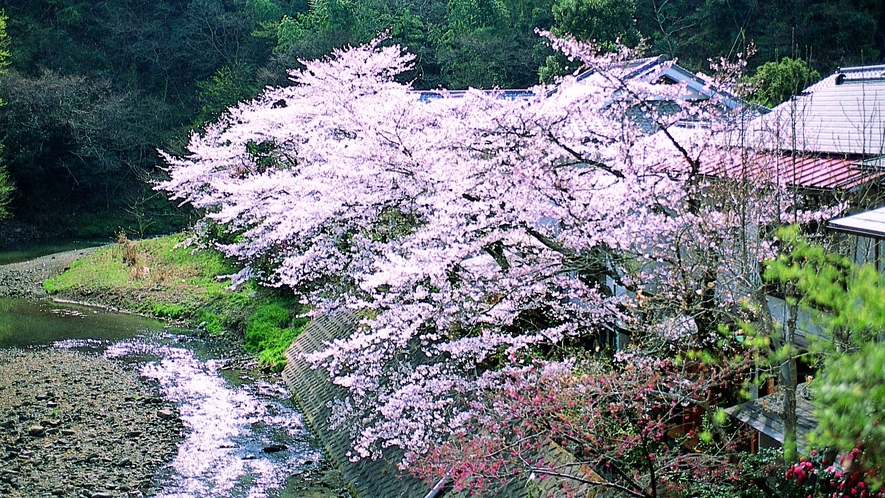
{"x":158,"y":277}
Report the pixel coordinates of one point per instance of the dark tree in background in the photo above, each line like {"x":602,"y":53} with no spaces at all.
{"x":77,"y":144}
{"x":827,"y":33}
{"x":94,"y":88}
{"x":6,"y":187}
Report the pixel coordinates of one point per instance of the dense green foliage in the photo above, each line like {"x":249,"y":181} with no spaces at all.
{"x":161,"y":277}
{"x":829,"y":33}
{"x":4,"y":52}
{"x":848,"y":296}
{"x":270,"y":330}
{"x":850,"y":402}
{"x":6,"y":190}
{"x":6,"y":187}
{"x":92,"y":89}
{"x":602,"y":20}
{"x":776,"y":82}
{"x":848,"y":300}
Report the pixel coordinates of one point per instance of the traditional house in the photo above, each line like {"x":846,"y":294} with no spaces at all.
{"x":653,"y":70}
{"x":827,"y":142}
{"x":830,"y":137}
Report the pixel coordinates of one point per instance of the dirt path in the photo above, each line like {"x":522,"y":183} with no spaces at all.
{"x":25,"y":279}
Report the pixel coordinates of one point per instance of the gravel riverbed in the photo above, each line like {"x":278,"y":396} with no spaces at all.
{"x":25,"y":279}
{"x":76,"y":424}
{"x":71,"y":423}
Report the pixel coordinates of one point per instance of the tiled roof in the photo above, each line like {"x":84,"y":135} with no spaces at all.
{"x":795,"y":170}
{"x":842,"y":114}
{"x":766,"y":416}
{"x":653,"y":70}
{"x":510,"y":94}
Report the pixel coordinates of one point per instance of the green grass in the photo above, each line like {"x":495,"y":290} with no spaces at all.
{"x":159,"y":278}
{"x":168,"y":310}
{"x":270,"y":330}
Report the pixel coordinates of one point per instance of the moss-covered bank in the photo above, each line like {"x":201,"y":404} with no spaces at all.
{"x":166,"y":278}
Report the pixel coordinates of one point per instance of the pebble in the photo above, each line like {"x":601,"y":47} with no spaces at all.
{"x":150,"y":442}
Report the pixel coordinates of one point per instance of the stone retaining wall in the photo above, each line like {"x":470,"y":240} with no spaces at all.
{"x":315,"y":392}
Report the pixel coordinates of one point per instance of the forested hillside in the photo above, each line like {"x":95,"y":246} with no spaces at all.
{"x":93,"y":88}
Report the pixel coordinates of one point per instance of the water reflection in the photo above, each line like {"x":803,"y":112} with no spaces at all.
{"x":25,"y":323}
{"x":230,"y":429}
{"x":25,"y":251}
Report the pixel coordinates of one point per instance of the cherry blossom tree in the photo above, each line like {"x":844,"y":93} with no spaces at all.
{"x":476,"y":233}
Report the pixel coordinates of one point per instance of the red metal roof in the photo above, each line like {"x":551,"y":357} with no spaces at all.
{"x":809,"y":171}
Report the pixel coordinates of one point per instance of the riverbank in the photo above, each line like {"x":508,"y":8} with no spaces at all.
{"x":75,"y":424}
{"x":173,"y":279}
{"x":77,"y":410}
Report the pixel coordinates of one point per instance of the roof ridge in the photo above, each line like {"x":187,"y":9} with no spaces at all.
{"x":859,"y":69}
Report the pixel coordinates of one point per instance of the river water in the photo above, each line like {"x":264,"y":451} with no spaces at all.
{"x":244,"y":437}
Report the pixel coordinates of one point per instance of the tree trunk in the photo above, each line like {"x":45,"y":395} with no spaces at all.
{"x":789,"y":381}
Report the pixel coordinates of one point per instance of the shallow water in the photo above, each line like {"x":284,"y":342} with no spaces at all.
{"x":230,"y":425}
{"x":24,"y":251}
{"x":233,"y":421}
{"x":26,"y":323}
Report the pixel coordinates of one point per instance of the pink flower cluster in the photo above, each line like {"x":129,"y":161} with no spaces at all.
{"x":850,"y":478}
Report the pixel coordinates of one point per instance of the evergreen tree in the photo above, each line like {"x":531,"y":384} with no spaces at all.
{"x":776,"y":82}
{"x":6,"y":187}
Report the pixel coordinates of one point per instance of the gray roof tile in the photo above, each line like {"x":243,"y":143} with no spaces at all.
{"x":842,"y":114}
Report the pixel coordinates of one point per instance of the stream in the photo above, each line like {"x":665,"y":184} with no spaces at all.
{"x":243,"y":436}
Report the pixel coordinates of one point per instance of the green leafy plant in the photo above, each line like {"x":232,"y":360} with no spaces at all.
{"x":776,"y":82}
{"x":848,"y":301}
{"x":269,"y":331}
